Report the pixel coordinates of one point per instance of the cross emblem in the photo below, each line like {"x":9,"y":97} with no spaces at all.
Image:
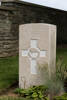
{"x":33,"y":53}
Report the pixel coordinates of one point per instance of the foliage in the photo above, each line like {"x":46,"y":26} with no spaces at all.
{"x":9,"y":68}
{"x":63,"y":97}
{"x":56,"y":81}
{"x":55,"y":86}
{"x":61,"y":70}
{"x":11,"y":98}
{"x":34,"y":93}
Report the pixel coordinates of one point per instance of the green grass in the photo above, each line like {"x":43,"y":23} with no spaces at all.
{"x":8,"y":71}
{"x":62,"y":53}
{"x":12,"y":98}
{"x":9,"y":68}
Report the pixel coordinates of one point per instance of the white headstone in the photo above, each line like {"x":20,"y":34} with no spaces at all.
{"x":37,"y":49}
{"x":0,"y":3}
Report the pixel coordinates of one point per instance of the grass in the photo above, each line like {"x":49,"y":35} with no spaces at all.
{"x":9,"y":68}
{"x":12,"y":98}
{"x":62,"y":53}
{"x":8,"y":71}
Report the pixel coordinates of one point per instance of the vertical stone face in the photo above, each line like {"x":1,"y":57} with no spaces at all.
{"x":31,"y":13}
{"x":37,"y":53}
{"x":8,"y":34}
{"x":25,"y":13}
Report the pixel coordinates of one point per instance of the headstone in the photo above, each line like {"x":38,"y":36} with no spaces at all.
{"x":0,"y":3}
{"x":37,"y":53}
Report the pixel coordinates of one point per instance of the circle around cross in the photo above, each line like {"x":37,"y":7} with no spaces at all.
{"x":33,"y":53}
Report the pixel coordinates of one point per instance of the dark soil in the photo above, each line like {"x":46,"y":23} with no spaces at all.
{"x":9,"y":91}
{"x":65,"y":85}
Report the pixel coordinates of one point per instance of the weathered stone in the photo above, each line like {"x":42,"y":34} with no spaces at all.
{"x":16,"y":12}
{"x":37,"y":52}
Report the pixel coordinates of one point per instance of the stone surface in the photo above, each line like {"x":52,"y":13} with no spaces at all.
{"x":16,"y":12}
{"x":37,"y":53}
{"x":8,"y":33}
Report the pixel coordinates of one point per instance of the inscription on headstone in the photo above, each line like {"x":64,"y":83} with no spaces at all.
{"x":37,"y":47}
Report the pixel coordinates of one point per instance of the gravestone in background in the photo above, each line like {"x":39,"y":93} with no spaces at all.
{"x":37,"y":53}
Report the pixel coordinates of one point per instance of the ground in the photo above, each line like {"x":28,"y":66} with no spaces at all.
{"x":9,"y":72}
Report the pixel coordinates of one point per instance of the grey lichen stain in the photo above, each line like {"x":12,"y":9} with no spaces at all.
{"x":43,"y":71}
{"x":23,"y":80}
